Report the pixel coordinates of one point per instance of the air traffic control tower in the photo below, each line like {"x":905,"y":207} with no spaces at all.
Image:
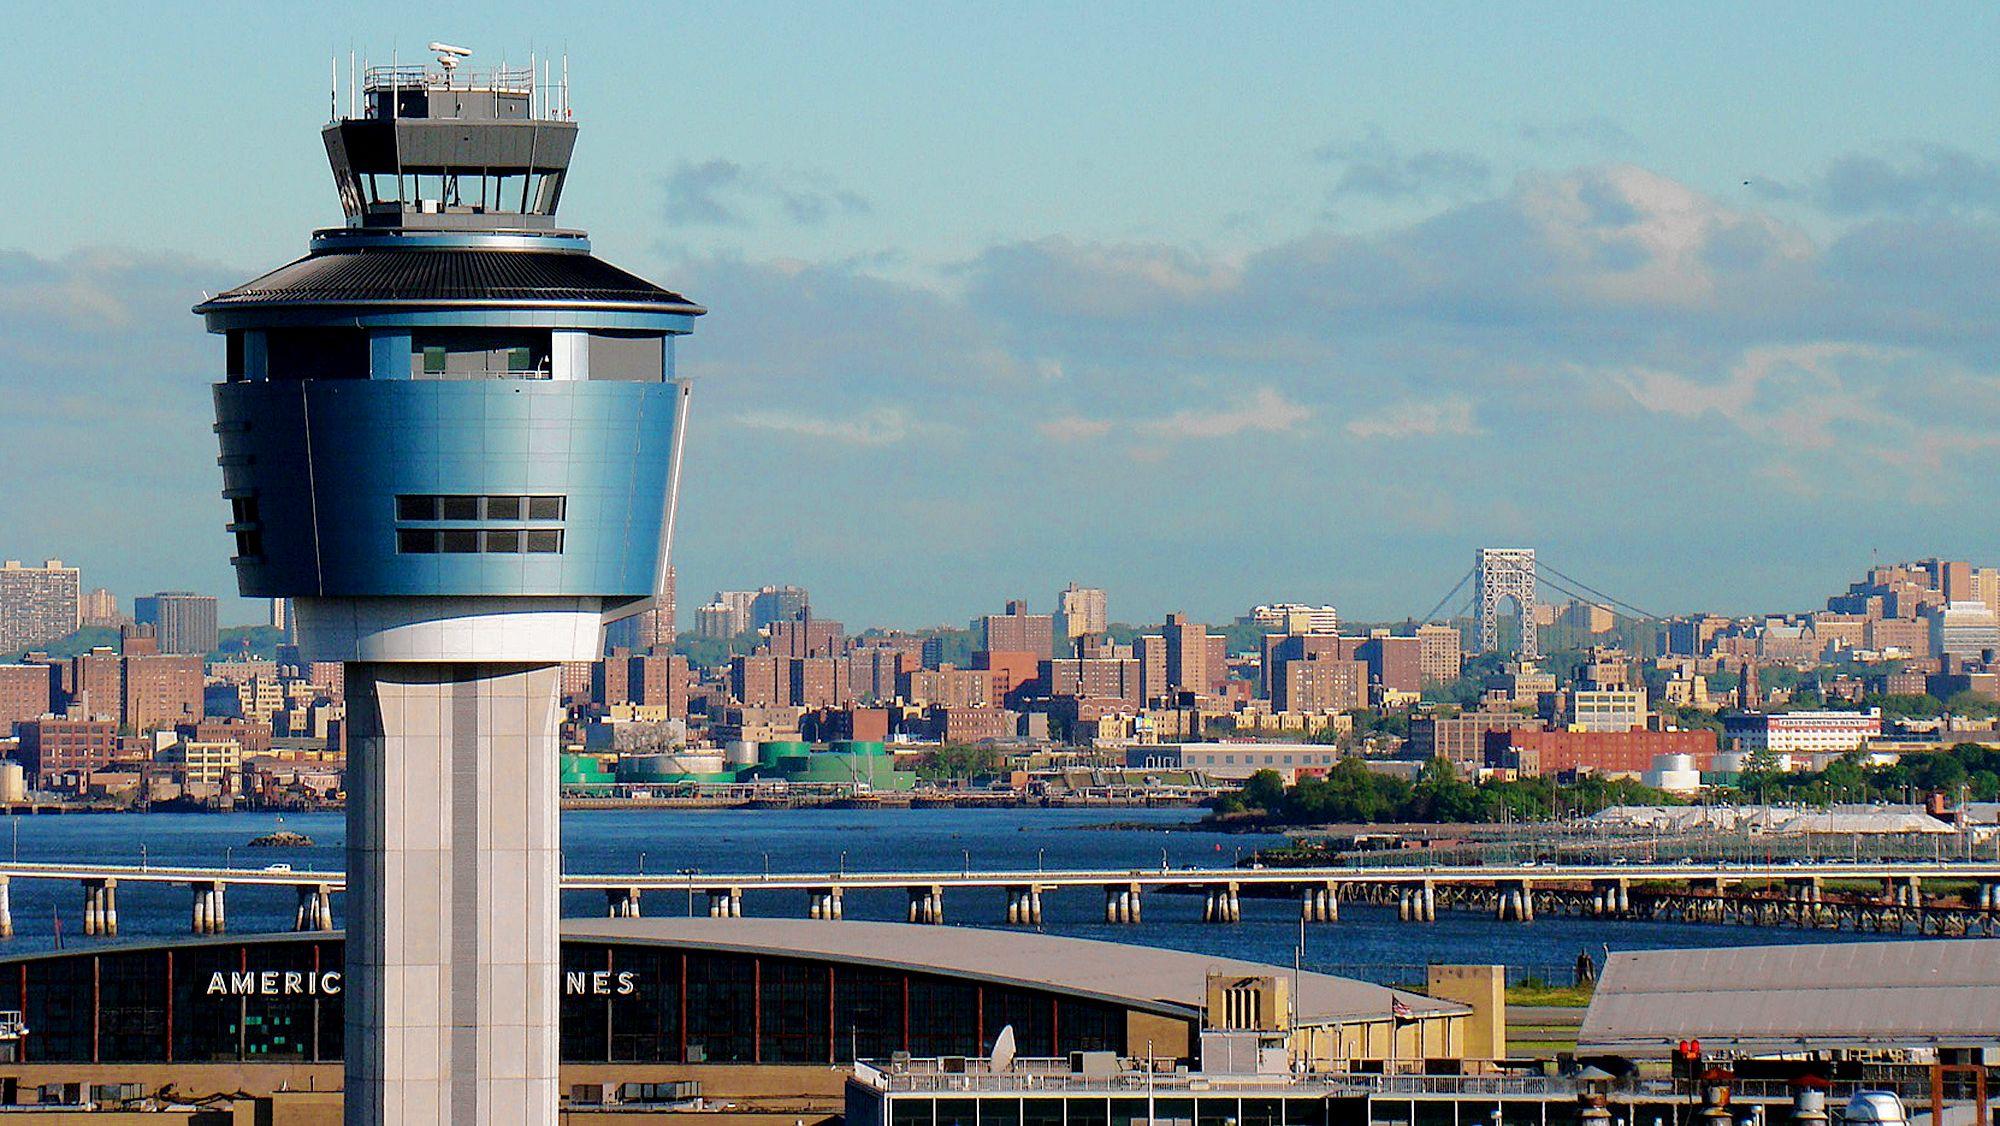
{"x":452,"y":436}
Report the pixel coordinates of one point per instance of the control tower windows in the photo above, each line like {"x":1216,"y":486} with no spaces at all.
{"x":480,"y":354}
{"x":316,"y":353}
{"x":479,"y":541}
{"x":461,"y":508}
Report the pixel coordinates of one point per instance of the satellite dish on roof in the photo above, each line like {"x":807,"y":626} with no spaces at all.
{"x":1003,"y":1049}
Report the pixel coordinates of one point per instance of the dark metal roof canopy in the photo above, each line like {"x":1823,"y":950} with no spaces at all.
{"x":424,"y":276}
{"x":450,"y":150}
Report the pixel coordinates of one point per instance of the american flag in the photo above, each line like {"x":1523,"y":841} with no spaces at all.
{"x":1399,"y":1010}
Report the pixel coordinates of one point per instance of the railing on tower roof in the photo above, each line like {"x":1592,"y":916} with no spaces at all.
{"x":494,"y":80}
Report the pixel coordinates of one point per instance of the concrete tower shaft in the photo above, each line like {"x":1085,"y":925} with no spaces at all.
{"x":450,"y":435}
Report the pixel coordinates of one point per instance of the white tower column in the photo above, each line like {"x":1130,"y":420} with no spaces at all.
{"x":453,"y":855}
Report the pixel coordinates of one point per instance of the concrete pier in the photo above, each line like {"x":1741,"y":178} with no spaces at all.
{"x":315,"y":907}
{"x":1611,"y":899}
{"x":927,"y":905}
{"x":1516,"y":902}
{"x":1222,"y":905}
{"x":100,"y":907}
{"x":725,"y":903}
{"x":6,"y":907}
{"x":1320,"y":903}
{"x":621,"y":903}
{"x":207,"y":914}
{"x":1024,"y":906}
{"x":1121,"y":903}
{"x":1417,"y":903}
{"x":823,"y":903}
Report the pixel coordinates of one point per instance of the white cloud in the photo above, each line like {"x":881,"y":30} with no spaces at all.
{"x":1267,"y":411}
{"x":878,"y":426}
{"x":1074,"y":428}
{"x":1417,"y":418}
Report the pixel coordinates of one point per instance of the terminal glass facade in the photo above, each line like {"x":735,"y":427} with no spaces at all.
{"x":280,"y":1000}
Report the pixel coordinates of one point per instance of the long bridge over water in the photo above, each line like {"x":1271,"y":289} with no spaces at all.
{"x":1940,"y":897}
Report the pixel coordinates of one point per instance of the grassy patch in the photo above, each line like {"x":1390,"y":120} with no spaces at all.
{"x":1532,"y":992}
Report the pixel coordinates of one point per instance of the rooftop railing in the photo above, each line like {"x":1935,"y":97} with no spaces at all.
{"x":499,"y":79}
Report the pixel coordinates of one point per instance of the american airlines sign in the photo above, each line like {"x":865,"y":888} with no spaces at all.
{"x":275,"y":983}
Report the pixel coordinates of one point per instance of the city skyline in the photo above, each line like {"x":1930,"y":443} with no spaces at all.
{"x":1665,"y":323}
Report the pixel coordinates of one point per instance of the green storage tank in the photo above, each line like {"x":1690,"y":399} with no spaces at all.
{"x":770,"y":752}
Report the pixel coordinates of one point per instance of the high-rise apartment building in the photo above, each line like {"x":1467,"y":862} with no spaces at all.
{"x":1964,"y":629}
{"x":100,"y":609}
{"x":873,"y":670}
{"x":807,"y":636}
{"x":1296,"y":617}
{"x":26,"y":692}
{"x":949,"y":687}
{"x":1320,"y":686}
{"x":777,"y":604}
{"x":1151,"y":653}
{"x":653,"y":629}
{"x":1195,"y":659}
{"x":38,"y":604}
{"x":1096,"y":678}
{"x":1443,"y":652}
{"x":184,"y":622}
{"x":1395,"y":663}
{"x":1083,"y":611}
{"x":1018,"y":631}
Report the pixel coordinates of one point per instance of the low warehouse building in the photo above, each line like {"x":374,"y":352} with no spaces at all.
{"x":1917,"y":1001}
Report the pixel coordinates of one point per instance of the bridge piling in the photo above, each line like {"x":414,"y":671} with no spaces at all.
{"x":1320,"y":903}
{"x":208,"y":917}
{"x":1121,"y":904}
{"x":927,"y":905}
{"x":100,"y":906}
{"x":1222,"y":905}
{"x":6,"y":907}
{"x":1024,"y":905}
{"x":823,"y":903}
{"x":315,"y":907}
{"x":725,"y":903}
{"x":621,"y":903}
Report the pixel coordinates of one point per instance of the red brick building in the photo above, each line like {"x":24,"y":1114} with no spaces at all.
{"x":1534,"y":753}
{"x":1098,"y":678}
{"x":1018,"y":631}
{"x":51,"y":746}
{"x":1012,"y":670}
{"x":26,"y":692}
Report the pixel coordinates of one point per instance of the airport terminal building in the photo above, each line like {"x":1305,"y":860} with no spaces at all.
{"x":659,"y":1000}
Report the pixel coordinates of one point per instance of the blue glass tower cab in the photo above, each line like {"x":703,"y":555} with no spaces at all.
{"x":451,"y":435}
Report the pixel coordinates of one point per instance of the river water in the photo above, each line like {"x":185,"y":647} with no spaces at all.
{"x":1366,"y":942}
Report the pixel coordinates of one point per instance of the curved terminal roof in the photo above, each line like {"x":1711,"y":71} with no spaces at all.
{"x":1171,"y":982}
{"x":1147,"y":977}
{"x":433,"y":276}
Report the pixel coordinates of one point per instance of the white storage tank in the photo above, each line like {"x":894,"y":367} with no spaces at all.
{"x":13,"y":783}
{"x":1673,"y":773}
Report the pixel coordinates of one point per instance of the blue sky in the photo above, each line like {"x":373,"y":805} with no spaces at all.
{"x":1209,"y":305}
